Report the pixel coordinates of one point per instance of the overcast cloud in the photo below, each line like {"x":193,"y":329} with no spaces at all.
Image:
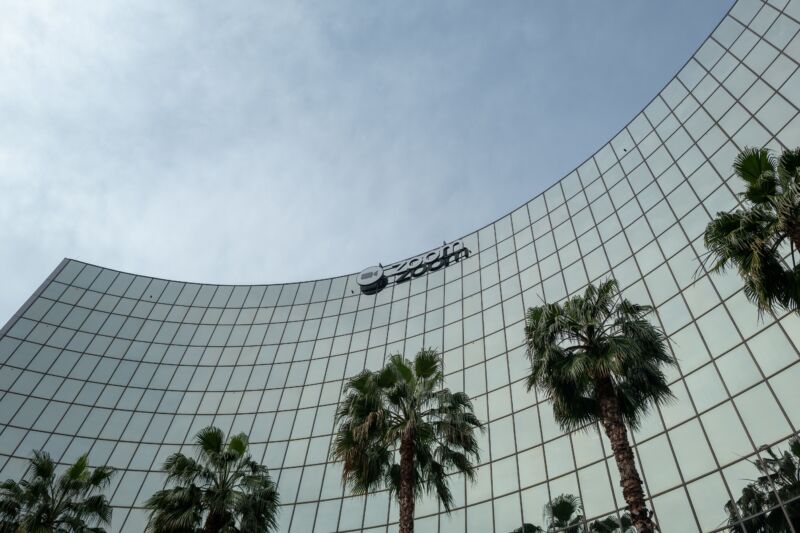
{"x":265,"y":142}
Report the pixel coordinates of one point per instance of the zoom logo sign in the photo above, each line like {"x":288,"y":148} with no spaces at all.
{"x":373,"y":279}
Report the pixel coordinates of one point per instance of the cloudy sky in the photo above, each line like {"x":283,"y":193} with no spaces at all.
{"x":253,"y":142}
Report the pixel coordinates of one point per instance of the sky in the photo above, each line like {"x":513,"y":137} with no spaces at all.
{"x":270,"y":141}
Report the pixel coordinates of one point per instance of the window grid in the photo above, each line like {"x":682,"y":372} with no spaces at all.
{"x":130,"y":326}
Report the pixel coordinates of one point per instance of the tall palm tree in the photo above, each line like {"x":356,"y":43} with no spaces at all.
{"x":224,"y":489}
{"x":69,"y":503}
{"x":405,"y":408}
{"x":756,"y":238}
{"x":599,"y":360}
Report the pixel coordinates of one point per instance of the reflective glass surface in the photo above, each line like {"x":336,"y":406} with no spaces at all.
{"x":129,"y":367}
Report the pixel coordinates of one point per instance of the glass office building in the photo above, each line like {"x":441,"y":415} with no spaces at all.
{"x":129,"y":367}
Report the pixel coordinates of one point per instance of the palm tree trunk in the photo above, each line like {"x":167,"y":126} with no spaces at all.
{"x":405,"y":495}
{"x":214,"y":522}
{"x":631,"y":483}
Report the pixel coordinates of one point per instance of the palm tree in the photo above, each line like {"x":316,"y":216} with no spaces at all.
{"x":405,"y":407}
{"x":224,"y":489}
{"x":564,"y":513}
{"x":65,"y":504}
{"x":599,"y":360}
{"x":612,"y":524}
{"x":756,"y":238}
{"x":759,"y":504}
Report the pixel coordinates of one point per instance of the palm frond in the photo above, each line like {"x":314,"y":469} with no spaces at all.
{"x":789,"y":166}
{"x":427,"y":364}
{"x":210,"y":441}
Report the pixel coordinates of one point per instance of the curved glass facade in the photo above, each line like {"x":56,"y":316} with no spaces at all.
{"x":129,"y":367}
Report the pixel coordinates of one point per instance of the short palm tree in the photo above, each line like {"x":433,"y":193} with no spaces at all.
{"x":757,"y":238}
{"x":404,"y":407}
{"x":778,"y":482}
{"x":223,"y":490}
{"x":564,"y":513}
{"x":68,"y":503}
{"x":528,"y":528}
{"x":599,"y":359}
{"x":613,"y":524}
